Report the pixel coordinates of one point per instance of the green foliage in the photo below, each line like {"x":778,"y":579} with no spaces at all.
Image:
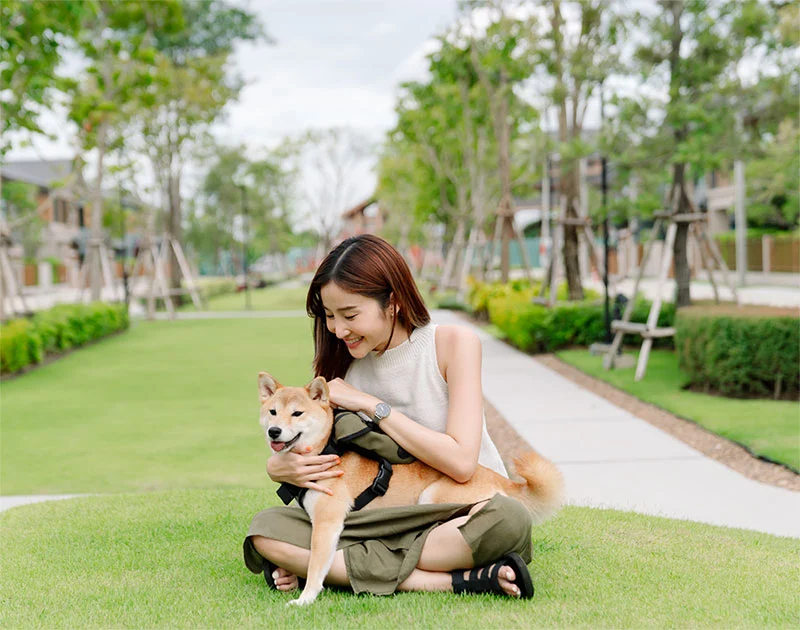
{"x":773,"y":180}
{"x":20,"y":345}
{"x":739,"y":355}
{"x":263,"y":197}
{"x":481,"y":293}
{"x":31,"y":48}
{"x":26,"y":342}
{"x":536,"y":328}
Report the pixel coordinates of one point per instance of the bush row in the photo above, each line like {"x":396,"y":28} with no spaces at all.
{"x":24,"y":342}
{"x":739,"y":354}
{"x":536,"y":328}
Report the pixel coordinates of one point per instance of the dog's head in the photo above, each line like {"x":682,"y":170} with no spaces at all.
{"x":298,"y":419}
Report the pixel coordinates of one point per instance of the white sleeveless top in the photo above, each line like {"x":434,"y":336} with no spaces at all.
{"x":408,"y":378}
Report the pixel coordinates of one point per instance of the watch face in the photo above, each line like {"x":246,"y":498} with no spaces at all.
{"x":382,"y":410}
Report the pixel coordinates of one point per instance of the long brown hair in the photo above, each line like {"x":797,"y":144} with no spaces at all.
{"x":369,"y":266}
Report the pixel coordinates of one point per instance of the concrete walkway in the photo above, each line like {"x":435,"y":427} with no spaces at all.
{"x":610,"y":458}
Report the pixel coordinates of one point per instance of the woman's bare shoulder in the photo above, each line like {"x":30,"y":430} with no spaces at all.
{"x":452,"y":339}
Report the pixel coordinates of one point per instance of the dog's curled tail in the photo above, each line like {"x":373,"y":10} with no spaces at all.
{"x":543,"y":489}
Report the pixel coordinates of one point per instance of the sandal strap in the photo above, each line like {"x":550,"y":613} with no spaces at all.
{"x":479,"y":580}
{"x":494,"y":573}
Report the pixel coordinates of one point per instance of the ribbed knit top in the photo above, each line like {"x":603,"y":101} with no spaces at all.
{"x":408,"y":378}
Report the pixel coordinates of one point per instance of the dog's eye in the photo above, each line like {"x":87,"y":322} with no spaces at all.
{"x":297,"y":414}
{"x":273,"y":412}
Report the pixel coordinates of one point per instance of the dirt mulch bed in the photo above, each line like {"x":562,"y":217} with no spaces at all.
{"x":711,"y":445}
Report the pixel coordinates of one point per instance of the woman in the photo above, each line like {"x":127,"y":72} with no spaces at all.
{"x":375,"y":345}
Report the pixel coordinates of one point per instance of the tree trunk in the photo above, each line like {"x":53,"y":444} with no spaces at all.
{"x":93,"y":251}
{"x":570,"y":176}
{"x":452,"y":254}
{"x":174,"y":184}
{"x":504,"y":152}
{"x":682,"y":272}
{"x":683,"y":276}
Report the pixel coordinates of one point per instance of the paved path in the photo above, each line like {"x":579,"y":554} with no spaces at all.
{"x":611,"y":458}
{"x":15,"y":500}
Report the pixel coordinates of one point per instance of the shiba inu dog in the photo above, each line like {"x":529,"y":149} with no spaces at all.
{"x":300,"y":420}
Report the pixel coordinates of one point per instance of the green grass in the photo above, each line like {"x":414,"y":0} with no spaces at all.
{"x":167,"y":414}
{"x":768,"y":428}
{"x":165,"y":405}
{"x":173,"y":559}
{"x":269,"y":299}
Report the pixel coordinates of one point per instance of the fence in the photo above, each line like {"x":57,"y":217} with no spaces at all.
{"x":765,"y":253}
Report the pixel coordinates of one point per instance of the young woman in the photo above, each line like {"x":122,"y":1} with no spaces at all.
{"x":381,"y":355}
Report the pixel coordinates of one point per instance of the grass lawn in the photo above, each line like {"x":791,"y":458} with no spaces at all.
{"x":166,"y":414}
{"x":165,"y":405}
{"x":767,"y":427}
{"x":269,"y":299}
{"x":173,"y":559}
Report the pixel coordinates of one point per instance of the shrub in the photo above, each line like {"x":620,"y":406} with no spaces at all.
{"x":24,"y":342}
{"x":481,"y":293}
{"x":740,"y":353}
{"x":19,"y":345}
{"x":536,"y":328}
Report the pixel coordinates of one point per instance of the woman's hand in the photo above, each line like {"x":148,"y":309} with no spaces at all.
{"x":348,"y":397}
{"x":304,"y":470}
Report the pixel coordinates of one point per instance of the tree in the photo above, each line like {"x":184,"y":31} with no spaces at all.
{"x":115,"y":40}
{"x":442,"y":157}
{"x":502,"y":58}
{"x":330,"y":163}
{"x":773,"y":180}
{"x":692,"y":55}
{"x":33,"y":34}
{"x":576,"y":61}
{"x":195,"y":83}
{"x":216,"y":220}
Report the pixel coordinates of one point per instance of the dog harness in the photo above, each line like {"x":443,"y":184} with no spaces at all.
{"x":353,"y":433}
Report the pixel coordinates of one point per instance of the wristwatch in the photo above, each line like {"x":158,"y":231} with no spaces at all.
{"x":382,"y":410}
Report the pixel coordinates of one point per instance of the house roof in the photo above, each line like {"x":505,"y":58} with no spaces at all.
{"x":38,"y":172}
{"x":349,"y":214}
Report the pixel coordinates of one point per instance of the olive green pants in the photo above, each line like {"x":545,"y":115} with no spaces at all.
{"x":382,"y":546}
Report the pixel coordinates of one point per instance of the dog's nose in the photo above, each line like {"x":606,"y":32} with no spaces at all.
{"x":274,"y":432}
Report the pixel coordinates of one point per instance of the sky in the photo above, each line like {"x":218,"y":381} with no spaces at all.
{"x":333,"y":63}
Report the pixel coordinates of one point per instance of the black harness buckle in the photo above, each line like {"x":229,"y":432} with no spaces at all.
{"x":380,"y":485}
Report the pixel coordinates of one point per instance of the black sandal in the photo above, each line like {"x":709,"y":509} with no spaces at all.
{"x":486,"y":580}
{"x":269,"y":568}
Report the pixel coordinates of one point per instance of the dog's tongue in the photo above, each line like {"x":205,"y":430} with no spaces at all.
{"x":277,"y":446}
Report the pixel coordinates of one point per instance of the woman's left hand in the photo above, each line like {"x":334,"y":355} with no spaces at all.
{"x":348,"y":397}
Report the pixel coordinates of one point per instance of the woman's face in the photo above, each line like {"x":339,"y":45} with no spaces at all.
{"x":358,"y":321}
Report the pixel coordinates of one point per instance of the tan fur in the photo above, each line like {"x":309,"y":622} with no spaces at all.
{"x":541,"y":491}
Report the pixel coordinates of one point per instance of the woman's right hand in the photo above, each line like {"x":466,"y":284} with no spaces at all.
{"x":303,"y":471}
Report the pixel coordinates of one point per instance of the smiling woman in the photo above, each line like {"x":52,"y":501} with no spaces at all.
{"x":382,"y":357}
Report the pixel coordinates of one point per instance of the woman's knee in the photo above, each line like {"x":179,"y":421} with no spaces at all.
{"x":503,"y":525}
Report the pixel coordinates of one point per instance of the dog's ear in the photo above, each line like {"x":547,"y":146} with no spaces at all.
{"x":267,"y":386}
{"x":318,"y":389}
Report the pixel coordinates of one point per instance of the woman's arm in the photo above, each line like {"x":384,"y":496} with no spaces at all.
{"x":454,"y":452}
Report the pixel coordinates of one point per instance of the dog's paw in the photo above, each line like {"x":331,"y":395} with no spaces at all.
{"x":300,"y":601}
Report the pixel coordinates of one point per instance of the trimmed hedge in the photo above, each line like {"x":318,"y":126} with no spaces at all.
{"x":25,"y":342}
{"x":481,"y":293}
{"x":536,"y":328}
{"x":740,"y":354}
